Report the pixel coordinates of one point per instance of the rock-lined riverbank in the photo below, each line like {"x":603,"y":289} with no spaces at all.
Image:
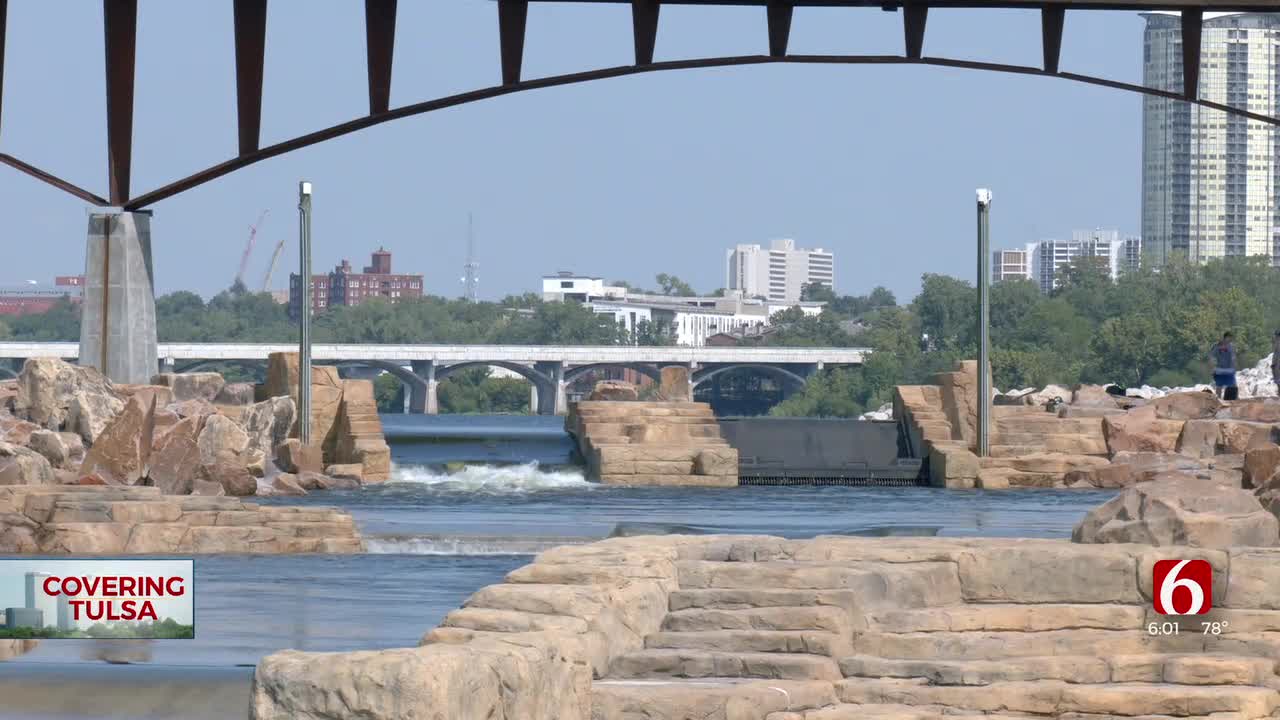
{"x":98,"y":520}
{"x":1093,"y":439}
{"x":762,"y":628}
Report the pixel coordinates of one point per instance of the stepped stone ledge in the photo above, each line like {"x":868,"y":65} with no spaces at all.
{"x":831,"y":628}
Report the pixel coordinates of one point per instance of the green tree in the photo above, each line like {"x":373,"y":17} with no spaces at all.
{"x":672,"y":285}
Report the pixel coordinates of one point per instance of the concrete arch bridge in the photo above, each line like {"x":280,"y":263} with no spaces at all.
{"x":548,"y":368}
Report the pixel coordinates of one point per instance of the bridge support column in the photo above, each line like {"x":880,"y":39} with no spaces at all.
{"x":423,"y":398}
{"x":118,"y":313}
{"x":555,"y":399}
{"x":533,"y":398}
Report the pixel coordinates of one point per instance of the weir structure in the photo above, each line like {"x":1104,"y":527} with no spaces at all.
{"x":122,"y":315}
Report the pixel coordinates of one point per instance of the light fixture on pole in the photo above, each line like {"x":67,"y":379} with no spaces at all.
{"x":304,"y":331}
{"x":983,"y":448}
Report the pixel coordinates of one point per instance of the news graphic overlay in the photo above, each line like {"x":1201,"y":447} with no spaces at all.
{"x":91,"y":599}
{"x":1182,"y":587}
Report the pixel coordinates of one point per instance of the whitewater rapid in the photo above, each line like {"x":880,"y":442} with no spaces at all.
{"x":497,"y":479}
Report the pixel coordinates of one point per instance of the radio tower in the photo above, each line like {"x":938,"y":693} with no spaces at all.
{"x":469,"y":277}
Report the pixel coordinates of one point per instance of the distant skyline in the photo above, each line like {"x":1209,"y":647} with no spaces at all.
{"x":624,"y":178}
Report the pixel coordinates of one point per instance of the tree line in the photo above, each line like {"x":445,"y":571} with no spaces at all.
{"x":1149,"y":327}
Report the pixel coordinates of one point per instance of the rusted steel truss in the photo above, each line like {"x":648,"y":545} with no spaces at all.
{"x":250,"y":20}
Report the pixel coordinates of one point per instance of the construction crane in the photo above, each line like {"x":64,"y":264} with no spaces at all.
{"x":248,"y":248}
{"x":271,"y":269}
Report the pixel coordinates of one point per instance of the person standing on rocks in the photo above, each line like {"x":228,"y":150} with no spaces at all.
{"x":1275,"y":359}
{"x":1223,"y":357}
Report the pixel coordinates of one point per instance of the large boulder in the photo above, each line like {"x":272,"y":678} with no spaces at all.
{"x":1260,"y":466}
{"x":1181,"y":510}
{"x":121,"y":453}
{"x":1096,"y":396}
{"x":281,"y":484}
{"x":294,"y":457}
{"x":51,"y":445}
{"x":1199,"y":438}
{"x":268,"y":423}
{"x":1140,"y":430}
{"x":23,"y":466}
{"x":221,"y":436}
{"x":235,"y":394}
{"x":192,"y":408}
{"x":175,"y":458}
{"x":229,"y":471}
{"x":88,"y":414}
{"x":616,"y":390}
{"x":1259,"y":409}
{"x":162,"y":393}
{"x":15,"y":431}
{"x":326,"y":391}
{"x":674,"y":385}
{"x":46,"y":387}
{"x":1241,"y":436}
{"x":191,"y":386}
{"x":1187,"y":406}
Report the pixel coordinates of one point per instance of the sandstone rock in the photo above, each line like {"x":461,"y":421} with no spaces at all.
{"x":530,"y":676}
{"x":1259,"y":409}
{"x":615,"y":390}
{"x":194,"y":407}
{"x":1092,"y":396}
{"x":235,"y":394}
{"x":294,"y":457}
{"x":1240,"y":436}
{"x":89,"y":480}
{"x":229,"y":471}
{"x":952,"y":466}
{"x":674,"y":385}
{"x":18,"y":533}
{"x":1199,"y":438}
{"x":75,"y":448}
{"x":326,"y":392}
{"x":162,"y":394}
{"x":1141,"y":430}
{"x":15,"y":431}
{"x":14,"y":648}
{"x":1187,"y":406}
{"x":121,"y":453}
{"x":1115,"y":475}
{"x":176,"y":458}
{"x":321,"y":481}
{"x":281,"y":484}
{"x":221,"y":436}
{"x":1145,"y":466}
{"x":715,"y":461}
{"x":207,"y":487}
{"x":1260,"y":465}
{"x":268,"y":423}
{"x":1181,"y":511}
{"x":50,"y":444}
{"x":357,"y":433}
{"x":190,"y":386}
{"x":47,"y":386}
{"x":349,"y":471}
{"x":89,"y":414}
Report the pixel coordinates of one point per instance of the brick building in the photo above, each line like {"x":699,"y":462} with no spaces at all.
{"x":344,"y":286}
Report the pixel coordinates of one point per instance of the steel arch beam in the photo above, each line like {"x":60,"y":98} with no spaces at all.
{"x":407,"y":377}
{"x":351,"y":126}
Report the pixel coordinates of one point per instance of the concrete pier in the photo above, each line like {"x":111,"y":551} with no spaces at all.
{"x":118,"y":315}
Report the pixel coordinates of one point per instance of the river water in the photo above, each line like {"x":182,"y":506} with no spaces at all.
{"x":436,"y":536}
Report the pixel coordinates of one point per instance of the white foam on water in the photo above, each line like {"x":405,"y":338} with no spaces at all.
{"x":466,"y":544}
{"x":495,"y":479}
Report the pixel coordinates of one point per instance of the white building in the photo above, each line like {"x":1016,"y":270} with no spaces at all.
{"x":691,"y":319}
{"x":1211,"y":181}
{"x":778,"y":273}
{"x":56,"y":610}
{"x":1043,"y":262}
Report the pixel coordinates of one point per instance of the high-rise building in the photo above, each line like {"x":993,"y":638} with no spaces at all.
{"x":1043,"y":262}
{"x":1011,"y":264}
{"x":778,"y":273}
{"x":1211,"y":181}
{"x":344,"y":286}
{"x":56,"y":611}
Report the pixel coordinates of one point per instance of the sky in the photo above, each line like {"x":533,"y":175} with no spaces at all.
{"x":622,"y":178}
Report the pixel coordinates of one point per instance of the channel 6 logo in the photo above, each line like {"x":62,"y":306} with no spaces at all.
{"x":1182,"y":587}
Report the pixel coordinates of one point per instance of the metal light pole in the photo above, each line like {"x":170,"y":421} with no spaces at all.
{"x":984,"y":323}
{"x":304,"y":332}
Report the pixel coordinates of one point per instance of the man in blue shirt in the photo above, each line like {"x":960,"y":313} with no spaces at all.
{"x":1223,"y":357}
